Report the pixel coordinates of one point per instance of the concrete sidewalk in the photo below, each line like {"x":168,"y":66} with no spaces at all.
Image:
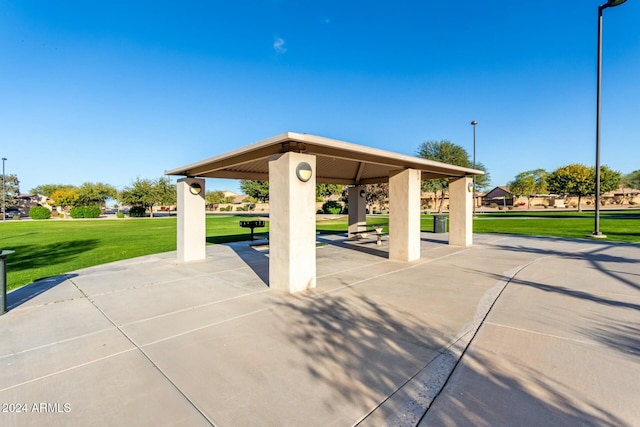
{"x":153,"y":342}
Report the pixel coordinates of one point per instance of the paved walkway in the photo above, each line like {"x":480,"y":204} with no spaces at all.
{"x":520,"y":331}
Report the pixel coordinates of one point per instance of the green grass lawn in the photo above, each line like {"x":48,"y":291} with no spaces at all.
{"x":619,"y":226}
{"x":51,"y":247}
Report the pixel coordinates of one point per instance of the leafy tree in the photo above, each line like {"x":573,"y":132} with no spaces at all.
{"x":529,"y":184}
{"x":328,"y":190}
{"x":64,"y":197}
{"x":257,"y":189}
{"x":482,"y":181}
{"x":147,"y":193}
{"x":95,"y":194}
{"x":632,"y":180}
{"x":49,"y":189}
{"x":572,"y":180}
{"x":214,"y":198}
{"x":609,"y":179}
{"x":166,"y":191}
{"x":376,"y":194}
{"x":447,"y":152}
{"x":579,"y":181}
{"x":11,"y":190}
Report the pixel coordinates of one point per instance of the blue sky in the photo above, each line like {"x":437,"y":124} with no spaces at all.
{"x":111,"y":91}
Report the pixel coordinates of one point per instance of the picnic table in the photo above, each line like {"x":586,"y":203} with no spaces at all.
{"x":377,"y":232}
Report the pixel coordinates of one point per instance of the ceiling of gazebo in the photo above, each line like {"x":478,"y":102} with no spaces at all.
{"x":337,"y":162}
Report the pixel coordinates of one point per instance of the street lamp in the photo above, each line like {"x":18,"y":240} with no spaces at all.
{"x":474,"y":123}
{"x":609,"y":3}
{"x":4,"y":207}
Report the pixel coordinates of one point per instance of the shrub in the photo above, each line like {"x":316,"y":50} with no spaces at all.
{"x":631,"y":202}
{"x":39,"y":212}
{"x":499,"y":208}
{"x":119,"y":215}
{"x":92,"y":211}
{"x":510,"y":208}
{"x":137,"y":212}
{"x":332,"y":207}
{"x":85,"y":212}
{"x":77,"y":212}
{"x":493,"y":205}
{"x":319,"y":211}
{"x":61,"y":215}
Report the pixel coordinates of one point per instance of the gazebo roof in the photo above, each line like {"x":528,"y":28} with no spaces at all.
{"x":337,"y":162}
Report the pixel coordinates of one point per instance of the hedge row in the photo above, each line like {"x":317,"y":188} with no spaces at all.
{"x":85,"y":212}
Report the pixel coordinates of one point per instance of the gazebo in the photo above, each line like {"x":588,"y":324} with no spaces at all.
{"x":293,"y":163}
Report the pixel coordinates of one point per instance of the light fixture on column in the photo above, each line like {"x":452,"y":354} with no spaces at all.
{"x":303,"y":171}
{"x":363,"y":193}
{"x":195,"y":188}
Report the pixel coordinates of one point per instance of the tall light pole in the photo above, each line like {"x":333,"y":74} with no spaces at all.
{"x":4,"y":206}
{"x":609,"y":3}
{"x":474,"y":123}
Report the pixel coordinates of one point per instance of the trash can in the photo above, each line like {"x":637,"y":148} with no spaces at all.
{"x":3,"y":280}
{"x":439,"y":223}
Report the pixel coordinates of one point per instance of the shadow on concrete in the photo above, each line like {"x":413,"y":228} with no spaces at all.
{"x":443,"y":241}
{"x":256,"y":260}
{"x":623,"y":337}
{"x":362,"y":350}
{"x":559,"y":290}
{"x":594,"y":257}
{"x":482,"y":391}
{"x":28,"y":292}
{"x":343,"y":242}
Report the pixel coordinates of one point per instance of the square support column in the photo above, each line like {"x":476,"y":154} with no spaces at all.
{"x":191,"y":220}
{"x":461,"y":212}
{"x":357,"y":209}
{"x":292,"y":223}
{"x":404,"y":215}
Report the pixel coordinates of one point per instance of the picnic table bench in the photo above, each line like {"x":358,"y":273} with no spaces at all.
{"x":252,"y":225}
{"x":377,"y":231}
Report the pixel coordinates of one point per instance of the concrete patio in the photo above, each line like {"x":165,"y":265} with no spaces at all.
{"x":518,"y":330}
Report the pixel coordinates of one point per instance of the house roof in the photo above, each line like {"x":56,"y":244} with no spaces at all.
{"x":498,"y":192}
{"x":337,"y":162}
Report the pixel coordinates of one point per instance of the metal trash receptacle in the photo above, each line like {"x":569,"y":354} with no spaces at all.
{"x":439,"y":223}
{"x":3,"y":280}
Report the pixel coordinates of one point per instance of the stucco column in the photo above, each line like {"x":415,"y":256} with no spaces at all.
{"x":191,"y":220}
{"x":461,"y":212}
{"x":357,"y":209}
{"x":404,"y":215}
{"x":292,"y":223}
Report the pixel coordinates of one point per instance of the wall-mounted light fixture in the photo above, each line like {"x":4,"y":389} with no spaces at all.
{"x":195,"y":188}
{"x":363,"y":193}
{"x":470,"y":187}
{"x":303,"y":171}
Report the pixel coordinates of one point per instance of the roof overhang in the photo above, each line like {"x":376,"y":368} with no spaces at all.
{"x":337,"y":162}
